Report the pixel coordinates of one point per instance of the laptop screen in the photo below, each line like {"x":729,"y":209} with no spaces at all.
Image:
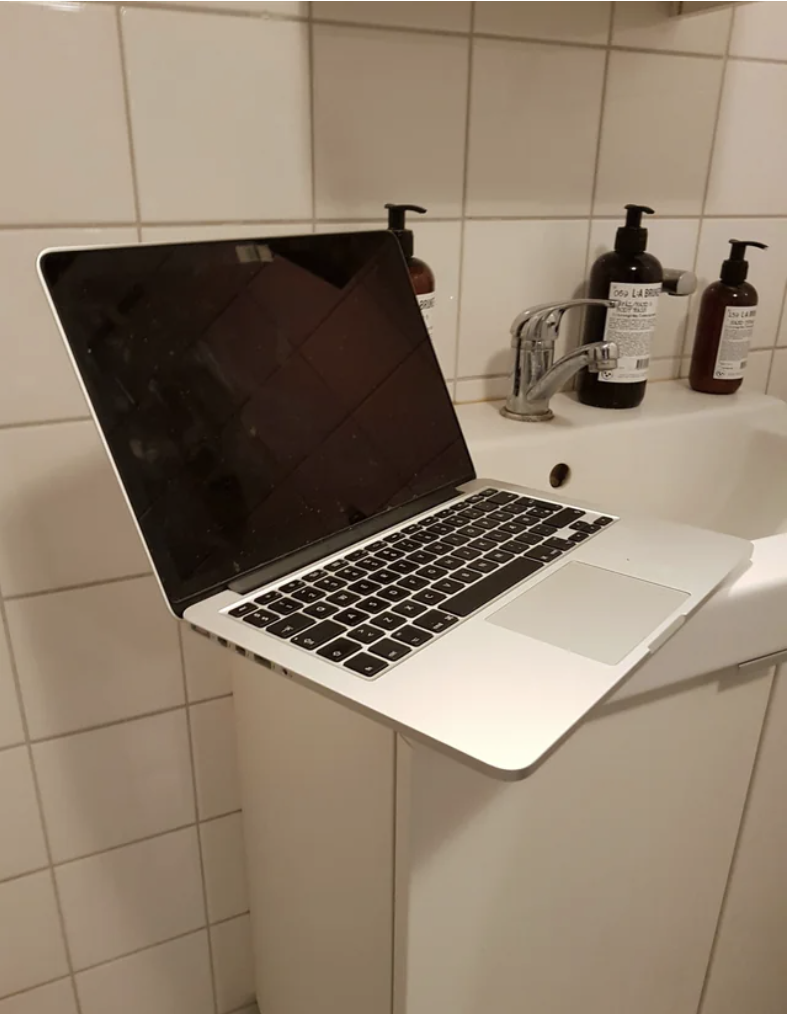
{"x":257,"y":395}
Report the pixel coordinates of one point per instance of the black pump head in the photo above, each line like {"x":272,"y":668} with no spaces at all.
{"x":735,"y":269}
{"x":632,"y":237}
{"x":397,"y":224}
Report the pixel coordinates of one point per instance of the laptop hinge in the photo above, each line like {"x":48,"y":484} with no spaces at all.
{"x":327,"y":547}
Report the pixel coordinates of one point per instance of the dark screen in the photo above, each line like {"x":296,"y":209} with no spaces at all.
{"x":257,"y":395}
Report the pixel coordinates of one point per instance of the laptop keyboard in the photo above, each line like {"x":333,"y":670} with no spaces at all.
{"x":372,"y":607}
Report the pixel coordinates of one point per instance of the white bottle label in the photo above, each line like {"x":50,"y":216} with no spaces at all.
{"x":734,"y":341}
{"x":427,"y":302}
{"x":631,"y":325}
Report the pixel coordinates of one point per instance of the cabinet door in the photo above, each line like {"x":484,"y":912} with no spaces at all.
{"x":749,"y":965}
{"x":595,"y":885}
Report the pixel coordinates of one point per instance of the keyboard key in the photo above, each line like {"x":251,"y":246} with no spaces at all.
{"x":350,"y":574}
{"x":498,"y":537}
{"x":365,"y":634}
{"x":343,"y":598}
{"x":466,"y":553}
{"x":467,"y":576}
{"x":369,"y":564}
{"x":388,"y":621}
{"x":376,"y":546}
{"x":413,"y":583}
{"x":536,"y":515}
{"x":366,"y":665}
{"x":562,"y":544}
{"x":543,"y":554}
{"x":285,"y":607}
{"x":502,"y":497}
{"x":243,"y":609}
{"x":308,"y":594}
{"x":442,"y":547}
{"x":404,"y":567}
{"x":422,"y":537}
{"x":486,"y":523}
{"x":408,"y":546}
{"x":545,"y":505}
{"x":436,"y":622}
{"x":351,"y":617}
{"x":337,"y":650}
{"x":409,"y":609}
{"x":292,"y":586}
{"x":392,"y":538}
{"x":446,"y":587}
{"x":267,"y":597}
{"x":514,"y":527}
{"x":438,"y":530}
{"x":491,"y":587}
{"x":390,"y":650}
{"x":393,"y":593}
{"x":602,"y":522}
{"x":329,"y":584}
{"x":364,"y":587}
{"x":450,"y":562}
{"x":442,"y":515}
{"x":583,"y":526}
{"x":483,"y":566}
{"x":432,"y":573}
{"x":543,"y":530}
{"x":526,"y":539}
{"x":578,"y":537}
{"x":524,"y":503}
{"x":412,"y":636}
{"x":261,"y":618}
{"x":335,"y":565}
{"x":515,"y":547}
{"x":470,"y":533}
{"x":321,"y":610}
{"x":388,"y":555}
{"x":482,"y":545}
{"x":357,"y":554}
{"x":500,"y":556}
{"x":421,"y":557}
{"x":315,"y":636}
{"x":290,"y":626}
{"x":429,"y":597}
{"x":471,"y":514}
{"x":498,"y":516}
{"x":373,"y":605}
{"x":511,"y":509}
{"x":564,"y":517}
{"x":384,"y":576}
{"x":315,"y":575}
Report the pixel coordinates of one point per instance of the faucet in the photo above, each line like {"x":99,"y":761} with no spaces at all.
{"x":536,"y":378}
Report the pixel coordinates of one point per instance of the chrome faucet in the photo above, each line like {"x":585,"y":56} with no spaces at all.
{"x":536,"y":378}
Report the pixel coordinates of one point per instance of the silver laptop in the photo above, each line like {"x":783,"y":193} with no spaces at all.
{"x":285,"y":440}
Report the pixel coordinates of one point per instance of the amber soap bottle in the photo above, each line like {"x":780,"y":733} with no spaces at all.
{"x":727,"y":315}
{"x":422,"y":278}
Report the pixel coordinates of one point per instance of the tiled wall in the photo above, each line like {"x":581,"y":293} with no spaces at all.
{"x":523,"y":127}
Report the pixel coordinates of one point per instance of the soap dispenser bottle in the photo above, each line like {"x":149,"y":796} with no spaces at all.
{"x":632,"y":278}
{"x":724,"y":329}
{"x":422,"y":278}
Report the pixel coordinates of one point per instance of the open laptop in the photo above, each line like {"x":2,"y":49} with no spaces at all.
{"x":285,"y":440}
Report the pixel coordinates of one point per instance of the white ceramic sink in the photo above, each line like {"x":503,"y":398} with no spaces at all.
{"x":717,"y":463}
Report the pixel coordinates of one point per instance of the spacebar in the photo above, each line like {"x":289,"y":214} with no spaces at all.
{"x":490,"y":587}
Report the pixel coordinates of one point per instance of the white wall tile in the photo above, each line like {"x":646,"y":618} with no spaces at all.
{"x":31,"y":942}
{"x":234,"y":969}
{"x":767,"y":270}
{"x":509,"y":266}
{"x":11,"y":730}
{"x":65,"y":145}
{"x":224,"y":865}
{"x":285,"y":8}
{"x":398,"y":138}
{"x":196,"y":233}
{"x":760,"y":30}
{"x":777,"y":381}
{"x":757,"y":371}
{"x":648,"y":26}
{"x":567,"y":22}
{"x":674,"y":243}
{"x":129,"y":898}
{"x":781,"y":337}
{"x":110,"y":786}
{"x":22,"y":847}
{"x":446,"y":16}
{"x":37,"y":381}
{"x":56,"y":998}
{"x":173,"y":978}
{"x":651,"y":152}
{"x":663,"y":369}
{"x":481,"y":389}
{"x":95,"y":655}
{"x":533,"y":157}
{"x":220,"y":115}
{"x":749,"y":169}
{"x":63,"y":520}
{"x":214,"y":750}
{"x":208,"y":666}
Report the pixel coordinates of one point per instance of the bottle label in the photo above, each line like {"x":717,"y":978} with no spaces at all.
{"x":630,"y":325}
{"x":734,"y":342}
{"x":426,"y":302}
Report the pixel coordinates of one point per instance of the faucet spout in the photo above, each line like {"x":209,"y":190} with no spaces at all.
{"x":535,"y":405}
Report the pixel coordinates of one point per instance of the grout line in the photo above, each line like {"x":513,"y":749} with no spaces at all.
{"x":6,"y":630}
{"x":21,"y":596}
{"x":111,"y":725}
{"x":311,"y":100}
{"x":738,"y":839}
{"x":30,"y":226}
{"x":40,"y":985}
{"x":147,"y":947}
{"x":782,"y":311}
{"x":229,"y":918}
{"x":127,"y":106}
{"x":122,"y":845}
{"x":44,"y":422}
{"x":196,"y":7}
{"x":21,"y":876}
{"x":717,"y":118}
{"x":196,"y":804}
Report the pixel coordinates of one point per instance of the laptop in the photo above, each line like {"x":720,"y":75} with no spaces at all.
{"x":288,"y":449}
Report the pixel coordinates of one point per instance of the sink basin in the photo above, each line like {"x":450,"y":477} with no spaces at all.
{"x":717,"y":463}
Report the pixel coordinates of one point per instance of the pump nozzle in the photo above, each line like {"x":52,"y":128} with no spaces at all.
{"x":632,"y":237}
{"x":735,"y":269}
{"x":397,"y":223}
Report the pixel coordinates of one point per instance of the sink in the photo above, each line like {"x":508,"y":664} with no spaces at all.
{"x":717,"y":463}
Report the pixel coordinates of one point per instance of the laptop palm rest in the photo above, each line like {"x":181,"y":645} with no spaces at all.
{"x":590,"y":611}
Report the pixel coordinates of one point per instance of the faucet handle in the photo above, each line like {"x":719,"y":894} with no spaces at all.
{"x":543,"y":322}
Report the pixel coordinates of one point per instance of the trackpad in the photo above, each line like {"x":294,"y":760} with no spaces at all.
{"x":589,"y":611}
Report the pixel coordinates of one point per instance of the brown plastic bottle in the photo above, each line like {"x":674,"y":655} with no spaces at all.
{"x":724,"y":329}
{"x":422,"y":278}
